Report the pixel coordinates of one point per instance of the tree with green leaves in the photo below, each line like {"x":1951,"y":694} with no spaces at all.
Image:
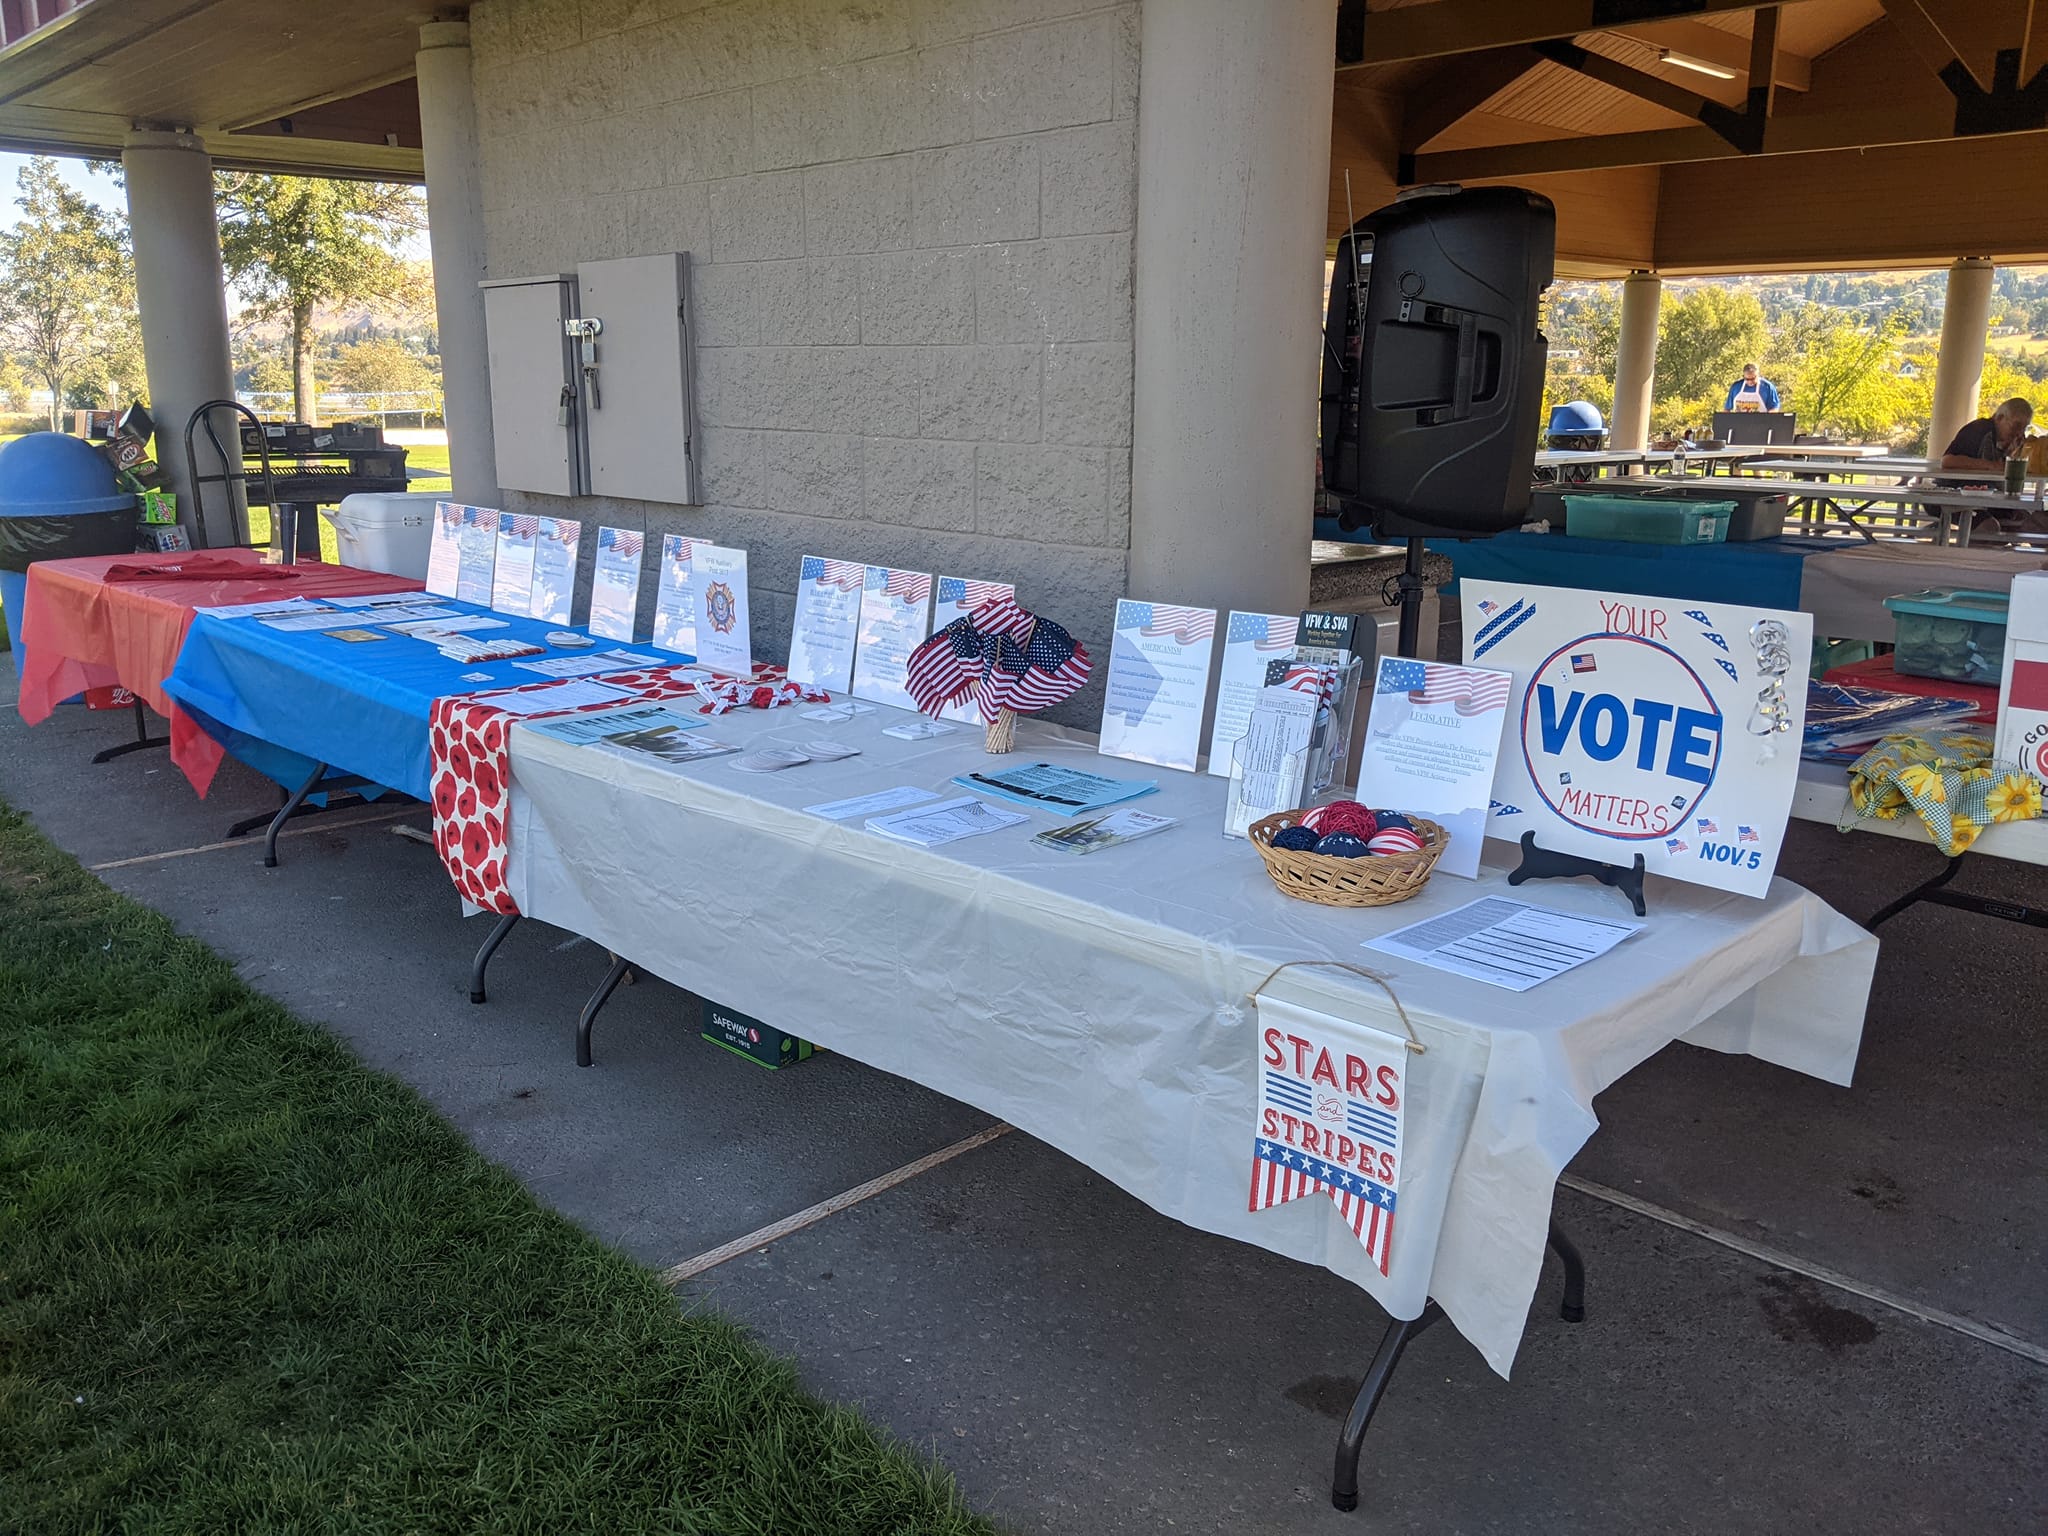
{"x":67,"y":289}
{"x":1705,"y":335}
{"x":294,"y":243}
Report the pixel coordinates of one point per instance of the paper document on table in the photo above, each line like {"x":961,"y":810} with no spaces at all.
{"x":548,"y":700}
{"x":1505,"y":943}
{"x":1052,"y":787}
{"x":571,"y":666}
{"x":277,"y":609}
{"x":607,"y":725}
{"x":867,"y":805}
{"x":370,"y":600}
{"x":946,"y":822}
{"x":427,"y":629}
{"x":311,"y":619}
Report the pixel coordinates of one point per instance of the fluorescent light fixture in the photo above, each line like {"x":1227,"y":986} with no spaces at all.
{"x":1679,"y":60}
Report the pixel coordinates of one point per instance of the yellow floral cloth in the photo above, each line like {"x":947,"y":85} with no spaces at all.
{"x":1948,"y":780}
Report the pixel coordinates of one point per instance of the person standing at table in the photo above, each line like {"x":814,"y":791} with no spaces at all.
{"x":1752,"y":392}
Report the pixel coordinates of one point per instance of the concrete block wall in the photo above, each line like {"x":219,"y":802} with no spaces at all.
{"x":911,"y":223}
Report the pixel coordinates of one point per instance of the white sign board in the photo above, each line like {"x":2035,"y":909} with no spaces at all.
{"x":718,"y":593}
{"x":1158,"y":683}
{"x":1431,"y":748}
{"x":1632,"y":728}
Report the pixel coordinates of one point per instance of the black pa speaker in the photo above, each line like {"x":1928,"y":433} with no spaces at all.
{"x":1433,"y":363}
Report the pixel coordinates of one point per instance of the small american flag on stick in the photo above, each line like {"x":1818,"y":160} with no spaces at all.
{"x":1000,"y":656}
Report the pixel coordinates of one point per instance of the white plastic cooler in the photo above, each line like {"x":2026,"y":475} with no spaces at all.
{"x":385,"y":531}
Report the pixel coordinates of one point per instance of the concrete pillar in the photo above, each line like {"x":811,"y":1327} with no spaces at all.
{"x":1233,"y":201}
{"x":182,"y":305}
{"x":455,"y":219}
{"x":1959,"y":365}
{"x":1635,"y":360}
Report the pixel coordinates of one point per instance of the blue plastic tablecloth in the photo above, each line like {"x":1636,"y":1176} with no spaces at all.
{"x":1763,"y":572}
{"x":283,"y":701}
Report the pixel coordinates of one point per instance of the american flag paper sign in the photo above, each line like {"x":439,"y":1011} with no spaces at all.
{"x":444,"y":548}
{"x":1633,"y":720}
{"x":554,"y":569}
{"x":615,"y":583}
{"x":895,"y":617}
{"x":1329,"y":1120}
{"x":1158,"y":683}
{"x":512,"y":580}
{"x":827,"y":621}
{"x":477,"y":555}
{"x":1250,"y":640}
{"x":1431,"y":745}
{"x":675,"y":609}
{"x":958,"y":597}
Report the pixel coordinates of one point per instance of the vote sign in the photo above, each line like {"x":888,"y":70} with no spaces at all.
{"x":1638,"y":730}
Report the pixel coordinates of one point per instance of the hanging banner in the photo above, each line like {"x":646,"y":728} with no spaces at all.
{"x":1647,"y":725}
{"x":1329,"y":1119}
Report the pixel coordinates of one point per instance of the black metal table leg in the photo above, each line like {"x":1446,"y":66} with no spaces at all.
{"x":1918,"y":893}
{"x":142,"y":739}
{"x":598,"y":999}
{"x":1351,"y":1439}
{"x":503,"y":926}
{"x":297,"y":798}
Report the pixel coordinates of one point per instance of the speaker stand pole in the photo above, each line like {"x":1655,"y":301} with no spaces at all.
{"x":1410,"y":589}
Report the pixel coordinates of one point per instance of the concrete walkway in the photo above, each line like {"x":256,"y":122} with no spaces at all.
{"x":1088,"y":1367}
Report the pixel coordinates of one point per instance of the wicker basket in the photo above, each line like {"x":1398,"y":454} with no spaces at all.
{"x":1378,"y":881}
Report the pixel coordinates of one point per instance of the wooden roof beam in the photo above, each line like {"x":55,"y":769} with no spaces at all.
{"x":1763,"y":71}
{"x":1459,"y":87}
{"x":1730,"y":50}
{"x":1927,"y":37}
{"x":1466,"y":26}
{"x":1726,"y":121}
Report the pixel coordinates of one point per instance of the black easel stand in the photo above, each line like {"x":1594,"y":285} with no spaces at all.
{"x":1542,"y":864}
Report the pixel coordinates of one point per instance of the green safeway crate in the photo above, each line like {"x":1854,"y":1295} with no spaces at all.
{"x":745,"y":1035}
{"x":1950,"y":633}
{"x":1639,"y":520}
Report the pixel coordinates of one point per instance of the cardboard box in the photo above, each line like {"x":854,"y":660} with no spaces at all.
{"x":159,"y":506}
{"x":745,"y":1035}
{"x":2023,"y":686}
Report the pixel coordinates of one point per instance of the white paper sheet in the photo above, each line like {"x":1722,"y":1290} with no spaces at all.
{"x":1505,"y":943}
{"x":444,"y":550}
{"x":868,"y":805}
{"x":570,"y":666}
{"x":594,"y":729}
{"x":895,"y":617}
{"x":554,"y":569}
{"x":548,"y":700}
{"x":281,"y":609}
{"x":365,"y":600}
{"x":512,"y":578}
{"x":947,"y":822}
{"x":1250,"y":640}
{"x":1430,"y":749}
{"x":477,"y":552}
{"x":615,"y":585}
{"x":1158,"y":683}
{"x":312,"y":619}
{"x":675,"y":618}
{"x":821,"y":642}
{"x":718,"y":596}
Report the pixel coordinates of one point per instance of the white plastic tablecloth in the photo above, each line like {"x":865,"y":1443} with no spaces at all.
{"x":1099,"y":1002}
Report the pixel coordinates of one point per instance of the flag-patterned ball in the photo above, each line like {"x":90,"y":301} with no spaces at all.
{"x":1388,"y":819}
{"x":1342,"y":845}
{"x":1296,"y":839}
{"x":1396,"y":840}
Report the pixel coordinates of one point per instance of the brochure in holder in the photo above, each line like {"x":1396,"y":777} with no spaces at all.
{"x":1262,"y":781}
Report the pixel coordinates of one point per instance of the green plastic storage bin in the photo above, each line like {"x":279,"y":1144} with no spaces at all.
{"x":1949,"y":633}
{"x":1639,"y":520}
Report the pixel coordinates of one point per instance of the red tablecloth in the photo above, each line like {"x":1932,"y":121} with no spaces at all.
{"x":81,"y":628}
{"x":1878,"y":673}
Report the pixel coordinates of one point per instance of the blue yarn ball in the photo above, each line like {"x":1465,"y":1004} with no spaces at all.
{"x":1394,"y":819}
{"x":1343,"y":845}
{"x":1295,"y":839}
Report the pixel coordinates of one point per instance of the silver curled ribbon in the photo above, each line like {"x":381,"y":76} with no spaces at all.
{"x":1772,"y":642}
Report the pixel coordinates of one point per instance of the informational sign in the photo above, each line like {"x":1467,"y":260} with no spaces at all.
{"x":512,"y":578}
{"x":1643,"y":725}
{"x":1431,"y":746}
{"x":1250,"y":640}
{"x":675,"y":609}
{"x":718,"y":588}
{"x":1329,"y":1119}
{"x":554,"y":569}
{"x":821,"y":642}
{"x":615,"y":584}
{"x":478,"y":555}
{"x":1158,"y":683}
{"x":444,"y":550}
{"x":895,"y":618}
{"x":958,"y":597}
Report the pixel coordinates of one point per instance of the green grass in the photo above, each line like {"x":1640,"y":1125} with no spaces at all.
{"x":248,"y":1285}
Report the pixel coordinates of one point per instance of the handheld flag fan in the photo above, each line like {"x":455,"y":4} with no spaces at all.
{"x":1008,"y":661}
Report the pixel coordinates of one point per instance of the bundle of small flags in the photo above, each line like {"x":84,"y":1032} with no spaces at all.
{"x":768,"y":688}
{"x":1001,"y":657}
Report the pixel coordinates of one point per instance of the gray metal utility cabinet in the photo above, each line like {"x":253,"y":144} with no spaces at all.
{"x":590,"y":380}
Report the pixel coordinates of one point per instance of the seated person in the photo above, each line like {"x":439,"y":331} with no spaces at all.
{"x":1751,"y":392}
{"x":1985,"y":444}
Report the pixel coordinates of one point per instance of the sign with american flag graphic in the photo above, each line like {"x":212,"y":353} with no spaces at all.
{"x":827,"y":621}
{"x":1432,"y":743}
{"x":1331,"y":1101}
{"x":444,"y":548}
{"x":1158,"y":683}
{"x":615,"y":583}
{"x":477,"y":547}
{"x":895,"y":617}
{"x":675,"y":605}
{"x":512,"y":581}
{"x":554,"y":569}
{"x":1250,"y":640}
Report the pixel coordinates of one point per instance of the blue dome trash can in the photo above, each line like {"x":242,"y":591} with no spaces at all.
{"x":58,"y":499}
